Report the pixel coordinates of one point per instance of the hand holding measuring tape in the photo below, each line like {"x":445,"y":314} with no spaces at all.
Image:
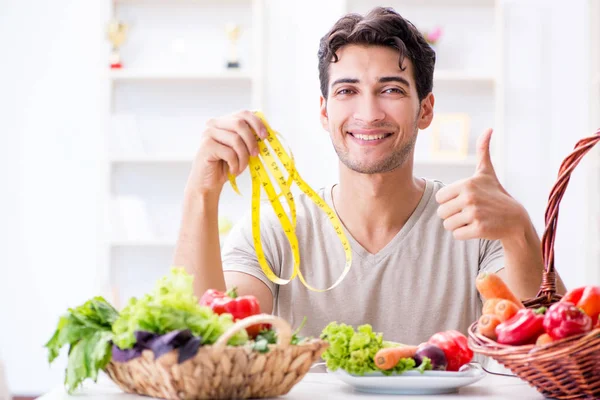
{"x":246,"y":139}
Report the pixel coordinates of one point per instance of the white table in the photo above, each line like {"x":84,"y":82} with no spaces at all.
{"x":326,"y":386}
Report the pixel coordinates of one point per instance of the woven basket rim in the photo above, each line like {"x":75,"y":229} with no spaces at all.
{"x":308,"y":342}
{"x":483,"y":345}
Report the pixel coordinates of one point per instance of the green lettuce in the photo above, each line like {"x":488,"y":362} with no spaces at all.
{"x":354,"y":351}
{"x":87,"y":330}
{"x":170,"y":306}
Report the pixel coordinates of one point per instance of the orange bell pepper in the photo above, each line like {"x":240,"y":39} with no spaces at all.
{"x":590,"y":302}
{"x":586,"y":298}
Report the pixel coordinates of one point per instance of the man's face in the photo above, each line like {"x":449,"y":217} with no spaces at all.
{"x":373,"y":112}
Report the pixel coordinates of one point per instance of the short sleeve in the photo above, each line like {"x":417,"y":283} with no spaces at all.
{"x":238,"y":252}
{"x":491,"y":256}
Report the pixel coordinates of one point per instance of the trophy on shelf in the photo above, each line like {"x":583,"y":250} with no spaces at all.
{"x":117,"y":33}
{"x":233,"y":34}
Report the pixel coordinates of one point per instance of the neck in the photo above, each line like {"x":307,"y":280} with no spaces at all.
{"x":375,"y":206}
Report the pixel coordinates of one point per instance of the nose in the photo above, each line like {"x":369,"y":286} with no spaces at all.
{"x":368,"y":110}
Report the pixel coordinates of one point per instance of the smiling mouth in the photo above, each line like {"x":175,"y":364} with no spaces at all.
{"x":370,"y":137}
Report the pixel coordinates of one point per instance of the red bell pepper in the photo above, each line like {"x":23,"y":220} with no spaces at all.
{"x":238,"y":307}
{"x":455,"y":347}
{"x":523,"y":328}
{"x":564,"y":319}
{"x":209,"y":296}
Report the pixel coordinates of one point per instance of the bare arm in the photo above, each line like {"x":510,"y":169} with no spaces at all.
{"x":479,"y":207}
{"x":198,"y":247}
{"x":227,"y":143}
{"x":523,"y":262}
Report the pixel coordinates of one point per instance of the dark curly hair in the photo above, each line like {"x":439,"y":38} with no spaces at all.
{"x":380,"y":27}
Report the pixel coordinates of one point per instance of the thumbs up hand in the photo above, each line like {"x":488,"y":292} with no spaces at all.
{"x":479,"y":207}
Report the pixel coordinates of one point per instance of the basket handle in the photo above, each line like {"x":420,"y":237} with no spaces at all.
{"x":284,"y":331}
{"x":548,"y":286}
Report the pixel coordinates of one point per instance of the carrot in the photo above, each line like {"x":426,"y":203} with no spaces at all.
{"x":505,"y":310}
{"x":492,"y":286}
{"x":389,"y":357}
{"x":489,"y":307}
{"x":487,"y":325}
{"x":543,"y":339}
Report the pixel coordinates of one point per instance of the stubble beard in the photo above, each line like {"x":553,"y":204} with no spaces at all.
{"x":390,"y":163}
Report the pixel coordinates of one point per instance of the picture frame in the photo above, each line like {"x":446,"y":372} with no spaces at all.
{"x":450,"y":136}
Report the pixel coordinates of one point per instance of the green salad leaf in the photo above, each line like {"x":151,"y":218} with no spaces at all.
{"x":170,"y":306}
{"x":354,"y":351}
{"x":87,"y":330}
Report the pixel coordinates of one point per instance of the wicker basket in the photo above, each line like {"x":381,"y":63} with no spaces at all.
{"x":568,"y":368}
{"x":221,"y":371}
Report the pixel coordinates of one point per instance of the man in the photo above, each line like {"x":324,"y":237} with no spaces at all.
{"x":417,"y":245}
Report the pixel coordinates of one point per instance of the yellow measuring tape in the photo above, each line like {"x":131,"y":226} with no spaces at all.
{"x":260,"y":177}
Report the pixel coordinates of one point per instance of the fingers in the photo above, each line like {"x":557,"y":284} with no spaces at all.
{"x":484,"y":160}
{"x":449,"y":192}
{"x":244,"y":123}
{"x":451,"y":207}
{"x":457,"y":221}
{"x":466,"y":232}
{"x":223,"y":152}
{"x":235,"y":142}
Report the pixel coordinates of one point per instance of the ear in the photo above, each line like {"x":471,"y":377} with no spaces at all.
{"x":323,"y":113}
{"x":426,"y":115}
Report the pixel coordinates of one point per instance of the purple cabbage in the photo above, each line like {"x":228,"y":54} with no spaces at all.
{"x":160,"y":345}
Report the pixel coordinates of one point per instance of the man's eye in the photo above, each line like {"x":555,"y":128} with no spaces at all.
{"x":344,"y":91}
{"x":394,"y":90}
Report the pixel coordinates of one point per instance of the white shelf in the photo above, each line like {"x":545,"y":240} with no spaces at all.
{"x":183,"y":159}
{"x":460,"y":76}
{"x":152,"y":159}
{"x":143,"y":243}
{"x":125,"y":75}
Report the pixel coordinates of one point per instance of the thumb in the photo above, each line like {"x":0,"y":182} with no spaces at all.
{"x":484,"y":160}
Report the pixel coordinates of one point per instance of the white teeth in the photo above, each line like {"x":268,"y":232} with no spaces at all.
{"x":368,"y":137}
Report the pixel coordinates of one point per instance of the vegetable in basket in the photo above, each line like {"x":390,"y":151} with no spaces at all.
{"x":487,"y":325}
{"x":564,"y":319}
{"x":172,"y":306}
{"x":523,"y":328}
{"x":87,"y":330}
{"x":168,"y":317}
{"x":587,"y":298}
{"x":491,"y":286}
{"x":239,"y":307}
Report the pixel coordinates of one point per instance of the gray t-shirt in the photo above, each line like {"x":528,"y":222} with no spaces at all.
{"x":420,"y":283}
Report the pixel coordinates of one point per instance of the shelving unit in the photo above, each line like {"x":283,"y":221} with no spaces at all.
{"x":175,"y":75}
{"x":159,"y":103}
{"x":162,"y":98}
{"x":468,"y":76}
{"x":463,"y":77}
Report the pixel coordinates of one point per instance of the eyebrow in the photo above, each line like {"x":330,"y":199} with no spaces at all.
{"x":383,"y":79}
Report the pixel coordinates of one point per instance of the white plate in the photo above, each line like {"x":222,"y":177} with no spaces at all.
{"x":413,"y":382}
